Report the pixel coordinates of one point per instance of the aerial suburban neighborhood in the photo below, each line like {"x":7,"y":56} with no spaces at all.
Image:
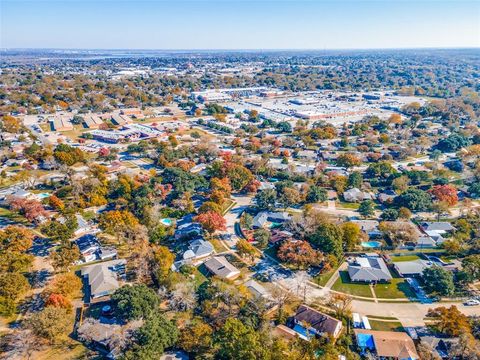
{"x":273,"y":205}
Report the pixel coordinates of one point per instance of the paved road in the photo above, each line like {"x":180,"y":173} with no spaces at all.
{"x":408,"y":313}
{"x":232,"y":217}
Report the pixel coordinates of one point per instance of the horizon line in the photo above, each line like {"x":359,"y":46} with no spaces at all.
{"x":240,"y":49}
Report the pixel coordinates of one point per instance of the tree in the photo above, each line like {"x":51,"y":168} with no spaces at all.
{"x":60,"y":232}
{"x":50,"y":323}
{"x":399,"y":232}
{"x":289,"y":196}
{"x":33,"y":210}
{"x":438,"y":281}
{"x":414,"y":200}
{"x":328,"y":238}
{"x":15,"y":238}
{"x":450,"y":321}
{"x":59,"y":301}
{"x":390,"y":214}
{"x":367,"y":208}
{"x":67,"y":285}
{"x":381,"y":169}
{"x":262,"y":237}
{"x":245,"y":249}
{"x":400,"y":183}
{"x":151,"y":339}
{"x":341,"y":304}
{"x":209,"y":206}
{"x":163,"y":260}
{"x":348,"y":160}
{"x":453,"y":143}
{"x":471,"y":267}
{"x":238,"y":341}
{"x":445,"y":193}
{"x":211,"y":221}
{"x":13,"y":285}
{"x":316,"y":194}
{"x":299,"y":254}
{"x":134,"y":302}
{"x":355,"y":180}
{"x":116,"y":221}
{"x":266,"y":199}
{"x":65,"y":256}
{"x":196,"y":338}
{"x":352,"y":235}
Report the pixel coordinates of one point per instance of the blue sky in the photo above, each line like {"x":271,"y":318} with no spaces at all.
{"x":237,"y":24}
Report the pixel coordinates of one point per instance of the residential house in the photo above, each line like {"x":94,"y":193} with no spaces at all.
{"x":370,"y":227}
{"x":411,"y":268}
{"x":261,"y":219}
{"x":387,"y":344}
{"x":219,"y":266}
{"x":102,"y":278}
{"x":198,"y":249}
{"x":310,"y":321}
{"x":356,"y":195}
{"x":436,"y":229}
{"x":369,"y":268}
{"x":257,"y":290}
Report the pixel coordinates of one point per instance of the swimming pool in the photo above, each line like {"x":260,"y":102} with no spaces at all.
{"x":371,"y":244}
{"x":166,"y":222}
{"x":43,"y":195}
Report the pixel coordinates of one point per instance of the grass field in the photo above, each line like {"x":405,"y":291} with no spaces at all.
{"x":322,"y":279}
{"x":344,"y":285}
{"x":404,"y":258}
{"x":396,"y":289}
{"x":386,"y":325}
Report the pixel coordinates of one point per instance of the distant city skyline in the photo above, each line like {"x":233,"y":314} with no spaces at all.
{"x":233,"y":24}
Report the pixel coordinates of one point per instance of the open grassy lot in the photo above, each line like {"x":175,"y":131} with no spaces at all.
{"x":343,"y":284}
{"x":386,"y":325}
{"x":404,"y":258}
{"x":396,"y":289}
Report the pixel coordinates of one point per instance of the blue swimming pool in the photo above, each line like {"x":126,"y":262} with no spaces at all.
{"x":43,"y":195}
{"x":166,"y":222}
{"x":371,"y":244}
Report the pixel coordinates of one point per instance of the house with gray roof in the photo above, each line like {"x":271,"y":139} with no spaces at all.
{"x":440,"y":227}
{"x":102,"y":278}
{"x":219,"y":266}
{"x":261,"y":219}
{"x":369,"y":269}
{"x":355,"y":195}
{"x":411,"y":268}
{"x":198,"y":249}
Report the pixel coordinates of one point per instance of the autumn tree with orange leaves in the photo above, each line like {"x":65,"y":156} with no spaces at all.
{"x":211,"y":221}
{"x":445,"y":193}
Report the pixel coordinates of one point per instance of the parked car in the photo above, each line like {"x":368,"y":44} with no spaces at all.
{"x":472,"y":302}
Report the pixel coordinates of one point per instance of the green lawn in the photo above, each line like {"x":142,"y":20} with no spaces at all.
{"x":396,"y":289}
{"x":347,"y":205}
{"x":322,"y":279}
{"x":386,"y":325}
{"x":404,"y":258}
{"x":13,"y":216}
{"x":344,"y":285}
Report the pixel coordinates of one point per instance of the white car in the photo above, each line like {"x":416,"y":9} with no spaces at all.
{"x":472,"y":302}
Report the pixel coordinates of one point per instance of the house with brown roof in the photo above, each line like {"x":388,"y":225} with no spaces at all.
{"x":308,"y":322}
{"x":387,"y":344}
